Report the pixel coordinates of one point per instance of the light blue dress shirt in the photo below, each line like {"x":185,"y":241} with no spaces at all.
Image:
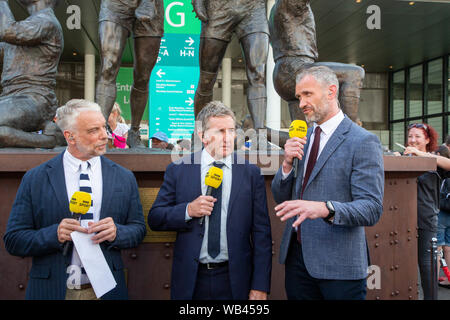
{"x":206,"y":163}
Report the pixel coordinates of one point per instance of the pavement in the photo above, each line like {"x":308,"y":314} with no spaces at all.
{"x":443,"y":293}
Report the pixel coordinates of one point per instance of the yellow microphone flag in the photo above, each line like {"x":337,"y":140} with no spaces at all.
{"x":214,"y":177}
{"x":298,"y":129}
{"x":80,"y":202}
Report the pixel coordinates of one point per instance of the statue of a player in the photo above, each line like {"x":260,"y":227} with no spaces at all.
{"x":293,"y":37}
{"x":248,"y":20}
{"x":119,"y":19}
{"x":30,"y":50}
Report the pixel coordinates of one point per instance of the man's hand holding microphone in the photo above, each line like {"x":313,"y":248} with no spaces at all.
{"x":293,"y":152}
{"x":105,"y":229}
{"x":293,"y":149}
{"x":204,"y":204}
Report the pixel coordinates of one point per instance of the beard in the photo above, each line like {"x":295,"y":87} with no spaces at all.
{"x":319,"y":112}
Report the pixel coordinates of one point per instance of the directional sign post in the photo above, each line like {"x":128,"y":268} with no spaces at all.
{"x":174,"y":78}
{"x":172,"y":101}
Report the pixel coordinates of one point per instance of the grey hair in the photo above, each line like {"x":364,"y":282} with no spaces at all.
{"x":324,"y":75}
{"x":67,"y":114}
{"x":213,"y":109}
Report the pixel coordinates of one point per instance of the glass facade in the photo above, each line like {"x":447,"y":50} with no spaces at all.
{"x":415,"y":92}
{"x":420,"y":94}
{"x":398,"y":92}
{"x":434,"y":87}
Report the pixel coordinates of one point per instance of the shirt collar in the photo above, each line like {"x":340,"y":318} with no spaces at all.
{"x":73,"y":163}
{"x":331,"y":124}
{"x":208,"y":160}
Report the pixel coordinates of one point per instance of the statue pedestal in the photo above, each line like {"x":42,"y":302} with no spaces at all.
{"x":392,"y":241}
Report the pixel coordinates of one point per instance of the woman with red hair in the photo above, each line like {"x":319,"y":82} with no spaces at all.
{"x":422,"y":141}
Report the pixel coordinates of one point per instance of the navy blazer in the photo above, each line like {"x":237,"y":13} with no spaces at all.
{"x":349,"y":172}
{"x":40,"y":205}
{"x":248,"y":227}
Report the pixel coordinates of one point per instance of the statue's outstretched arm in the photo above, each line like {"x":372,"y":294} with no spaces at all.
{"x":30,"y":31}
{"x":200,"y":10}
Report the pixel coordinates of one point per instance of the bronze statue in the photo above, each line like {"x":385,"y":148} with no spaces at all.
{"x":248,"y":20}
{"x":117,"y":20}
{"x":293,"y":37}
{"x":30,"y":50}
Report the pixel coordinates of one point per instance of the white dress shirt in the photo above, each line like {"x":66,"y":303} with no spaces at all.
{"x":206,"y":163}
{"x":72,"y":170}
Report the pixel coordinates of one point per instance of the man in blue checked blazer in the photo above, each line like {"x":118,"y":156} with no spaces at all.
{"x":338,"y":191}
{"x":40,"y":223}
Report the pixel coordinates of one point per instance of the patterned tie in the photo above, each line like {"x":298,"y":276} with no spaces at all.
{"x":309,"y":168}
{"x":85,"y":185}
{"x":215,"y":219}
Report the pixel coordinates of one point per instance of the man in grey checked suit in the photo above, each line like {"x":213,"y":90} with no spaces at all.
{"x":336,"y":194}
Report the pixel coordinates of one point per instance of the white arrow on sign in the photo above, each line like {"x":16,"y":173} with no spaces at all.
{"x":160,"y":73}
{"x":190,"y":101}
{"x":190,"y":41}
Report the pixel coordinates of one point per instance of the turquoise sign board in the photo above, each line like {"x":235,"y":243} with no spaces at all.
{"x":175,"y":76}
{"x":179,"y":50}
{"x":172,"y":101}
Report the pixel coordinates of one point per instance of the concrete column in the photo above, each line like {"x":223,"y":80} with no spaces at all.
{"x":89,"y":77}
{"x":273,"y":113}
{"x":226,"y":81}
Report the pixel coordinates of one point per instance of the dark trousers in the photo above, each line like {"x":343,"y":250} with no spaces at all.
{"x":301,"y":286}
{"x":424,"y":255}
{"x":212,"y":284}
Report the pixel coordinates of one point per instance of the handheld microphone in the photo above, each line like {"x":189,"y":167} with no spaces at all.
{"x":79,"y":204}
{"x":298,"y":128}
{"x":213,"y":179}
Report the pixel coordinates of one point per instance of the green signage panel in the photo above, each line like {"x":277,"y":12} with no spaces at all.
{"x":180,"y":18}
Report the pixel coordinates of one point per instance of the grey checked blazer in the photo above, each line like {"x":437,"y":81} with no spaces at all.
{"x":349,"y":172}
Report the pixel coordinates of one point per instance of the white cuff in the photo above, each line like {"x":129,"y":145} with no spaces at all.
{"x":187,"y":217}
{"x":285,"y":175}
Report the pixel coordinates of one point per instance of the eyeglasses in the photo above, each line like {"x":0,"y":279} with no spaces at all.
{"x":418,"y":125}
